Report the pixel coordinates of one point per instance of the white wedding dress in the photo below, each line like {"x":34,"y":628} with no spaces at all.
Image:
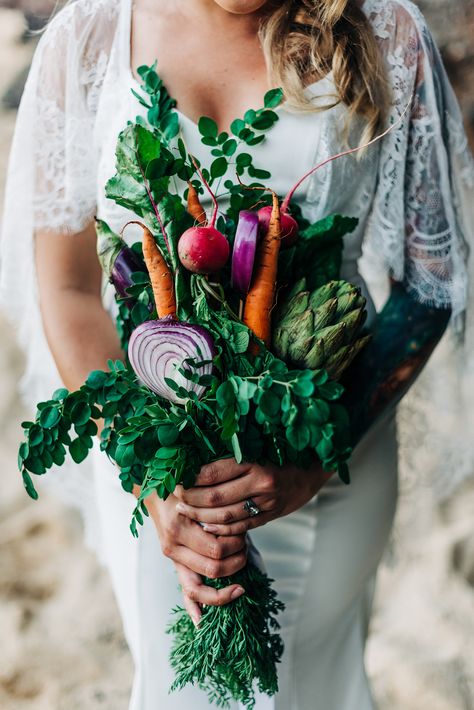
{"x":412,"y":194}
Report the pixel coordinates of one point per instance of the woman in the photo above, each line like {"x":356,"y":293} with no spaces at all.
{"x":341,"y":64}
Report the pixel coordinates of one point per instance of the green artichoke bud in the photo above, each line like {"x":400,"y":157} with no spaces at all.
{"x":333,"y":337}
{"x":320,"y":329}
{"x":348,"y":302}
{"x":354,"y":321}
{"x":297,"y":305}
{"x":325,"y":314}
{"x":323,"y":294}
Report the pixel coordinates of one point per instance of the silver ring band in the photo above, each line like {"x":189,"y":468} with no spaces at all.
{"x":251,"y":508}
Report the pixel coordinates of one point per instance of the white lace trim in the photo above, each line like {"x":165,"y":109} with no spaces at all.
{"x":416,"y":224}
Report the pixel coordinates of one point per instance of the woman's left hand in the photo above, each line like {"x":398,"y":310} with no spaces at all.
{"x":221,"y":489}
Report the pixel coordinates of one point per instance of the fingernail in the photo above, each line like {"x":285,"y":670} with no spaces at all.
{"x":180,"y":508}
{"x":237,"y":593}
{"x":210,"y":528}
{"x":196,"y":619}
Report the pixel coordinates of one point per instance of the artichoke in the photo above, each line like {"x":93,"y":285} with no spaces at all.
{"x":322,"y":328}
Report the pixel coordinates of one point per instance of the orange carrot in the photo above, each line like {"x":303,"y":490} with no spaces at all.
{"x":261,"y":297}
{"x":194,"y":207}
{"x":160,"y":275}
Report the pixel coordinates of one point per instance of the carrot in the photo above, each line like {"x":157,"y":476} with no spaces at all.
{"x":261,"y":297}
{"x":195,"y":209}
{"x":160,"y":275}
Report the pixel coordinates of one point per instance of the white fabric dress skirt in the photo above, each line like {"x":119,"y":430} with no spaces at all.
{"x":323,"y":559}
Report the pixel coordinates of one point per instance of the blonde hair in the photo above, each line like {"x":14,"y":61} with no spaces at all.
{"x":305,"y":39}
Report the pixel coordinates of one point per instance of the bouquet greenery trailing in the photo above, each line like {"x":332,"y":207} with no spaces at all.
{"x":207,"y":374}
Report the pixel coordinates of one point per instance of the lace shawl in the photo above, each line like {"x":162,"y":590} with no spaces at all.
{"x":420,"y":223}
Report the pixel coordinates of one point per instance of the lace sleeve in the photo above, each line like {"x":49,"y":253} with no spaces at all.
{"x":51,"y":176}
{"x":421,"y":213}
{"x":51,"y":185}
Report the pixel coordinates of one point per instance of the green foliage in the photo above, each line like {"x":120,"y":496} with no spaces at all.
{"x":246,"y":645}
{"x":319,"y":244}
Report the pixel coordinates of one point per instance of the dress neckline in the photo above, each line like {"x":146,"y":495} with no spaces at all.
{"x":126,"y":53}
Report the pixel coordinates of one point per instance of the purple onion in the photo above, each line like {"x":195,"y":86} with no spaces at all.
{"x":157,"y":349}
{"x":243,"y":254}
{"x":118,"y":260}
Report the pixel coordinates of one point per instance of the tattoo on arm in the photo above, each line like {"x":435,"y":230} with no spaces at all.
{"x":404,"y":335}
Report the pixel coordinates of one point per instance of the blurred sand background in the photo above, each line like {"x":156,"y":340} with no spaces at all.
{"x":61,"y":644}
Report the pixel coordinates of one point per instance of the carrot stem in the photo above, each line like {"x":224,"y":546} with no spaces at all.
{"x":288,"y":198}
{"x":208,"y":188}
{"x":194,"y":207}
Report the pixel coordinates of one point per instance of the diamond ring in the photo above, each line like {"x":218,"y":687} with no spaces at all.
{"x":251,"y":507}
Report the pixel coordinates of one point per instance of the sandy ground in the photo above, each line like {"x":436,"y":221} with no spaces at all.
{"x":61,"y":642}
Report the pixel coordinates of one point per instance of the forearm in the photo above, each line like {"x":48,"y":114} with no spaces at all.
{"x":80,"y":334}
{"x":404,"y":335}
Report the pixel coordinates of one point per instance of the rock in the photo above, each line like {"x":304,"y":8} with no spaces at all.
{"x":463,"y":559}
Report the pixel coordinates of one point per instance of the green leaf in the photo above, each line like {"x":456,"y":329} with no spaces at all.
{"x":168,"y":434}
{"x":208,"y":140}
{"x":35,"y":465}
{"x":80,"y":413}
{"x":125,"y":455}
{"x":303,"y":387}
{"x":264,"y":121}
{"x":258,"y":174}
{"x":78,"y":450}
{"x":225,"y":394}
{"x":324,"y":448}
{"x":207,"y":127}
{"x":96,"y":379}
{"x":60,"y":394}
{"x":269,"y":403}
{"x":28,"y":484}
{"x":218,"y":167}
{"x":237,"y":126}
{"x":273,"y":98}
{"x":298,"y":436}
{"x":35,"y":435}
{"x":236,"y":448}
{"x":229,"y":147}
{"x":49,"y":417}
{"x":244,"y":159}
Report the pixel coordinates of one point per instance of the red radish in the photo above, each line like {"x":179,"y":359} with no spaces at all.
{"x":203,"y":249}
{"x":289,"y":226}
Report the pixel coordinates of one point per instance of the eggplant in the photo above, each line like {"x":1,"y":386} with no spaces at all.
{"x":117,"y":259}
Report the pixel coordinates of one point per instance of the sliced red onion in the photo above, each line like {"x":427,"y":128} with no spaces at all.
{"x":157,"y":350}
{"x":243,"y":255}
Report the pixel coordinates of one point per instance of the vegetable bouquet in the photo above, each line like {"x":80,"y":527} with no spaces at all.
{"x":237,"y":329}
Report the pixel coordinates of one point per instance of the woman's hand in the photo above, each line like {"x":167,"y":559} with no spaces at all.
{"x":195,"y":553}
{"x":221,"y":489}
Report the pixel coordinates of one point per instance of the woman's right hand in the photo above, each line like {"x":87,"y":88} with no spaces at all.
{"x":197,"y":553}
